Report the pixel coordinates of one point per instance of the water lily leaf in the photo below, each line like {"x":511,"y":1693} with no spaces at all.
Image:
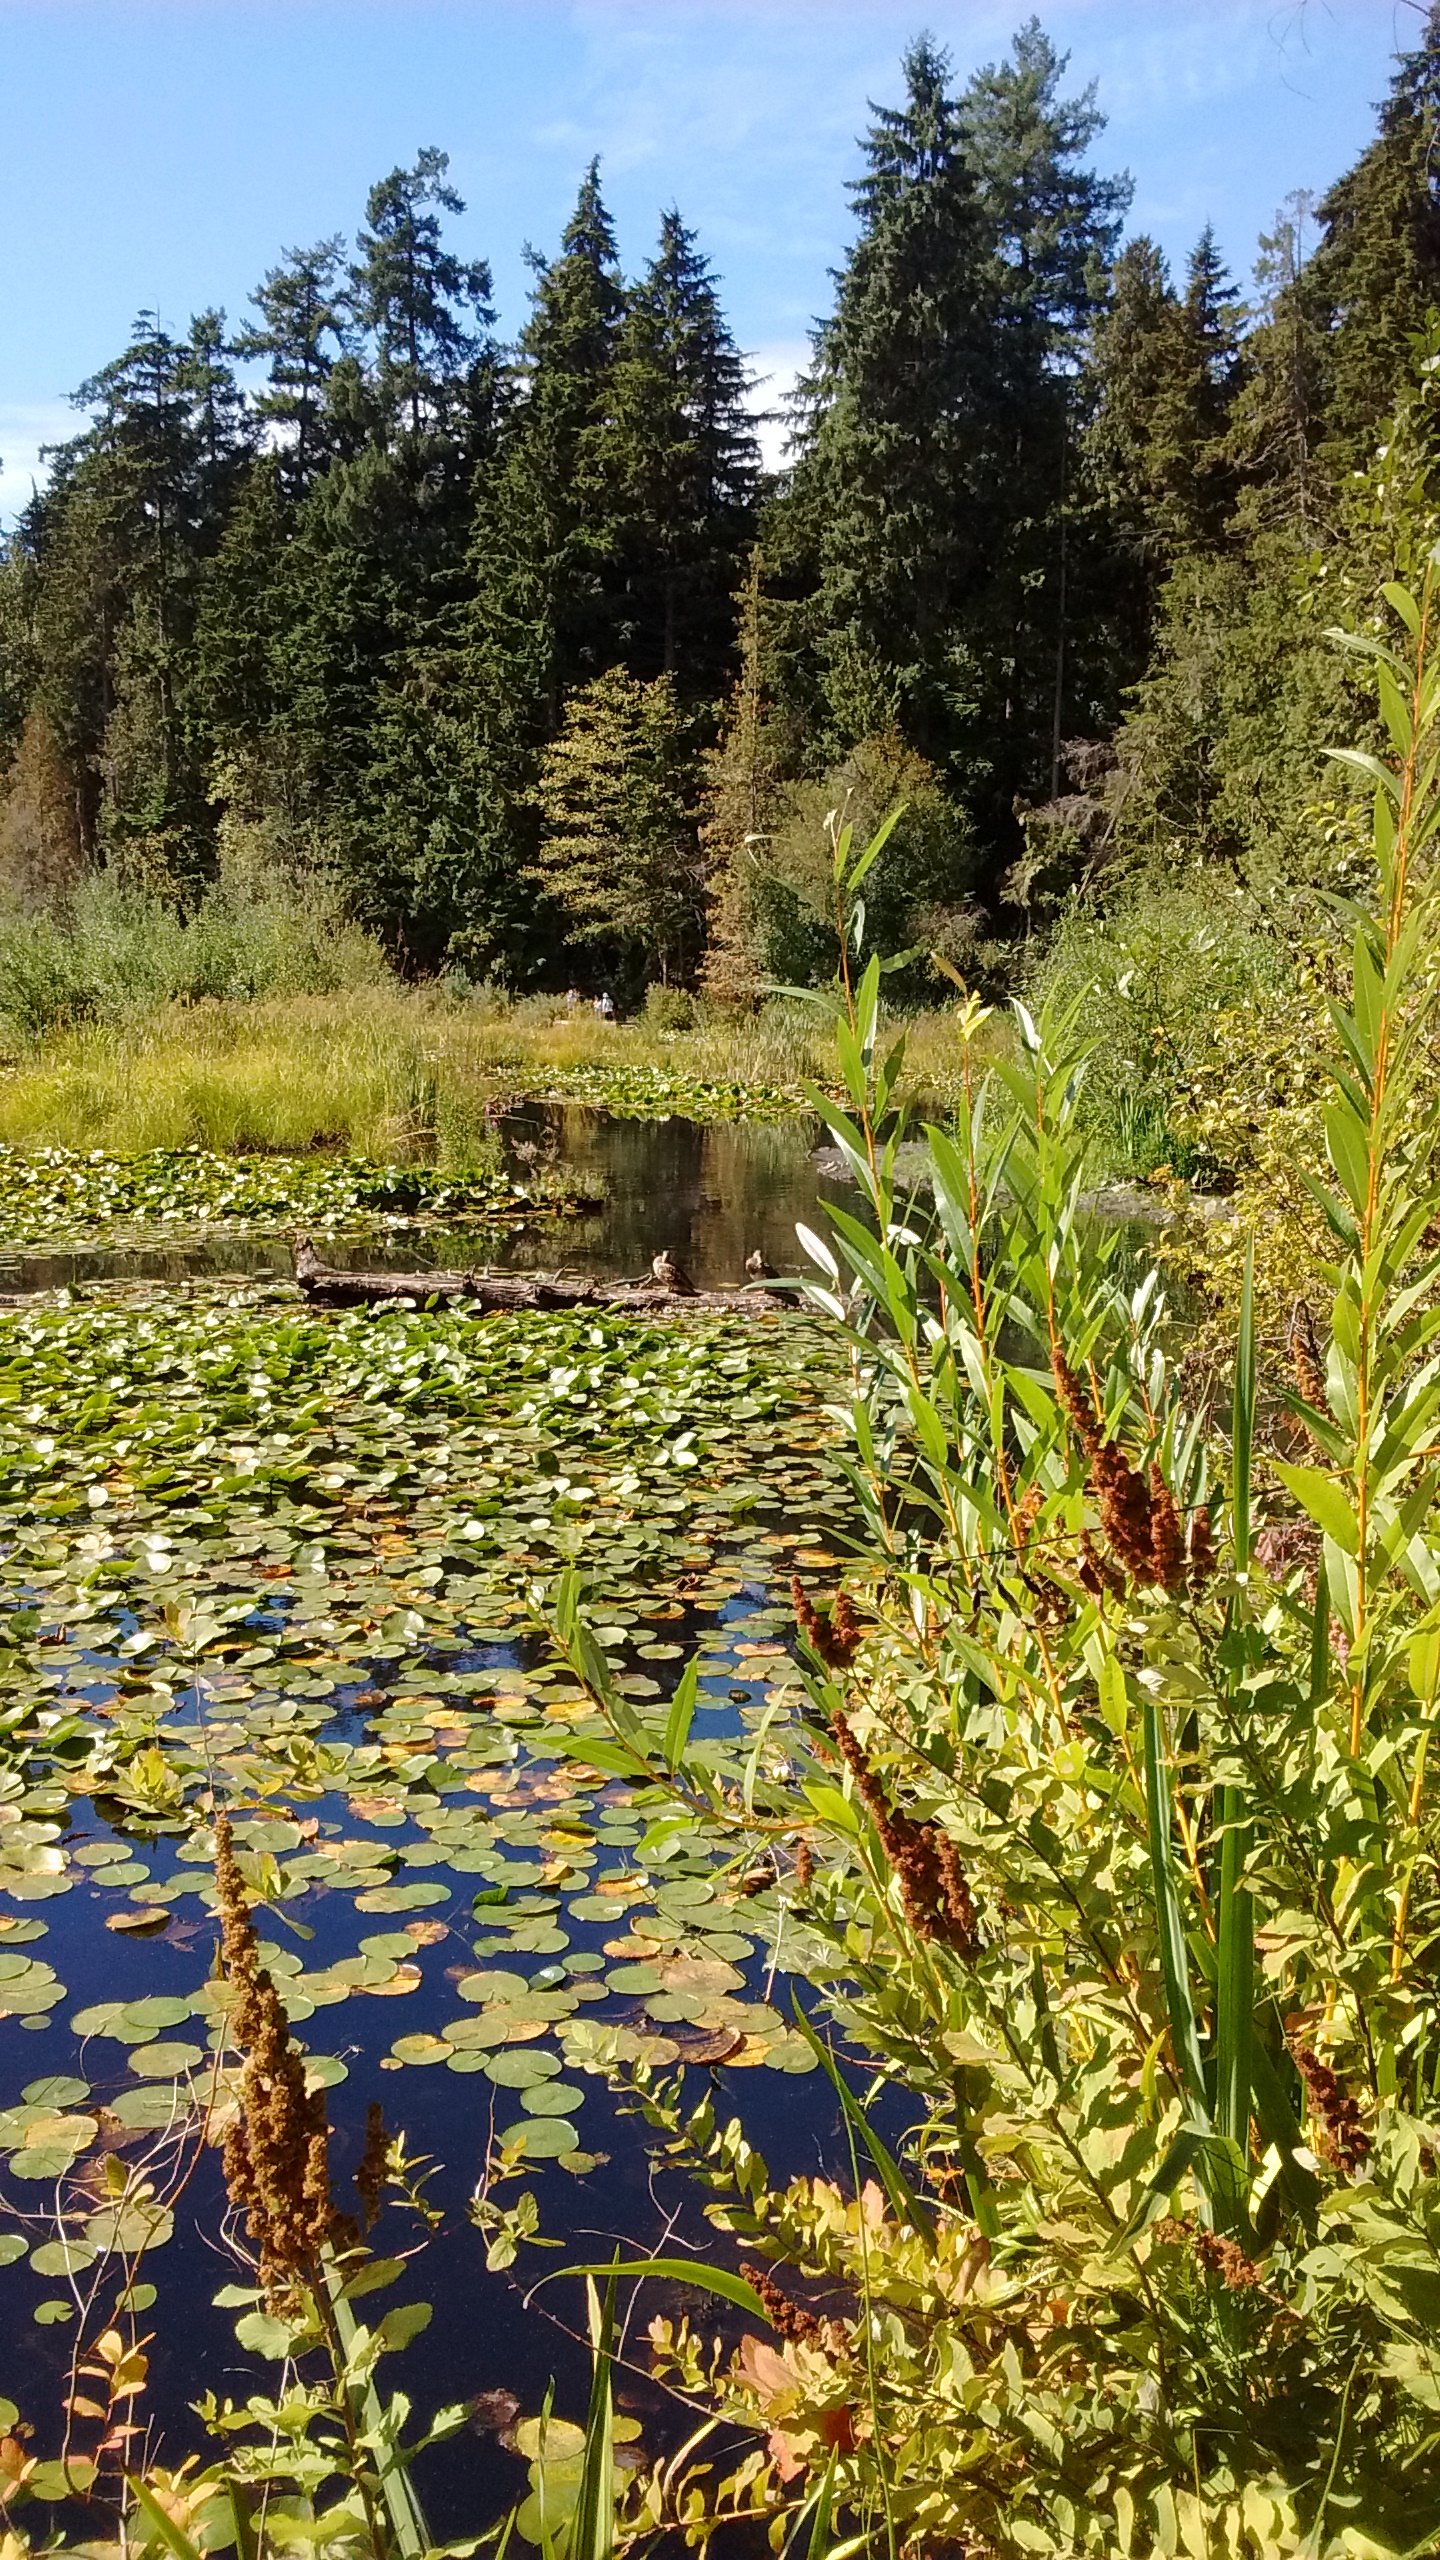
{"x":551,"y":2098}
{"x":11,"y":2248}
{"x":132,"y":2226}
{"x":165,"y":2061}
{"x":148,"y":2108}
{"x":790,"y":2053}
{"x":59,"y":2257}
{"x":548,"y":2440}
{"x":402,"y":1897}
{"x":522,"y":2070}
{"x":497,"y":1985}
{"x":541,"y":2137}
{"x":635,"y":1978}
{"x":56,"y":2091}
{"x":44,"y":2163}
{"x":97,"y":2021}
{"x":325,"y":2071}
{"x":420,"y":2048}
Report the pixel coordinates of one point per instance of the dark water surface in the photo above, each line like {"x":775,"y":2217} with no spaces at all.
{"x":710,"y":1194}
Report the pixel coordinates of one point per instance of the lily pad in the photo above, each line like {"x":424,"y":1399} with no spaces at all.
{"x":402,"y":1897}
{"x":165,"y":2061}
{"x":552,"y":2098}
{"x":541,"y":2137}
{"x":522,"y":2070}
{"x":57,"y":2091}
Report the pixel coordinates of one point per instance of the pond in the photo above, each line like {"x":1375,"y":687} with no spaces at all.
{"x":283,"y":1560}
{"x":709,"y":1193}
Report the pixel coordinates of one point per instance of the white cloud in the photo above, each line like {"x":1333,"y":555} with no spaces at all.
{"x":24,"y":427}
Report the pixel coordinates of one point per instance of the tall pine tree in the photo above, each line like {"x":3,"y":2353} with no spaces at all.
{"x":302,"y":328}
{"x":427,"y":311}
{"x":1376,"y":271}
{"x":543,"y":618}
{"x":683,"y":464}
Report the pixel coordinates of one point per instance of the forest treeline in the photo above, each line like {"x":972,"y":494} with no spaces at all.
{"x":520,"y":649}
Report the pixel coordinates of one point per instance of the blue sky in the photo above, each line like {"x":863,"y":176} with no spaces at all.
{"x":164,"y":152}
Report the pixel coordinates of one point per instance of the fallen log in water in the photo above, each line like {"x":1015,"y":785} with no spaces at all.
{"x":504,"y":1292}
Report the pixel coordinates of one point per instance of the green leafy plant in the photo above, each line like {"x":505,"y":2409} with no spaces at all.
{"x":1113,"y":1839}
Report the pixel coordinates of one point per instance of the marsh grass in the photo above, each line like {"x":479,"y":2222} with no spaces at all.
{"x":384,"y":1070}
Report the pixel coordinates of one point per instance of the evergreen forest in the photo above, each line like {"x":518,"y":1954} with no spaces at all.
{"x":520,"y":650}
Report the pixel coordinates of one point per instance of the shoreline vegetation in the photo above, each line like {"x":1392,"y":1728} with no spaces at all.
{"x":1001,"y":1691}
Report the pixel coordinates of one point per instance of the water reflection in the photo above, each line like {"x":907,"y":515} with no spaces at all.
{"x":707,"y":1194}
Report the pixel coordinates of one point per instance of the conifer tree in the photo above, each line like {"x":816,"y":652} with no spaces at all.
{"x":683,"y":465}
{"x":1054,"y":226}
{"x":427,"y":310}
{"x":619,"y":850}
{"x":303,"y":326}
{"x":1163,"y":373}
{"x":744,"y":797}
{"x":1376,"y":271}
{"x":222,"y":427}
{"x":893,"y":493}
{"x":1277,"y":428}
{"x":543,"y":615}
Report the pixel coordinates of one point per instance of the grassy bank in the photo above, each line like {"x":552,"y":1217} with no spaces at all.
{"x":393,"y":1072}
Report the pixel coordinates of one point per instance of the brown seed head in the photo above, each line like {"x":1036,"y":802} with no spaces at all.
{"x":1167,"y":1534}
{"x":1076,"y":1399}
{"x":276,"y":2154}
{"x":835,"y":1636}
{"x":1337,"y":2132}
{"x":1227,"y":2260}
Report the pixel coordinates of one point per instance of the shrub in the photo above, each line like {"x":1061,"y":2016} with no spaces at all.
{"x":114,"y":948}
{"x":668,"y":1009}
{"x":1110,"y":1839}
{"x":1145,"y":986}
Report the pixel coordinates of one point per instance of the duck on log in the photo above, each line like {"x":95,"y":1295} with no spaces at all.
{"x":505,"y":1292}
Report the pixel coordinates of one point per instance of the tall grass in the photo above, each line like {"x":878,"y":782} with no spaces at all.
{"x":382,"y":1070}
{"x":264,"y":1021}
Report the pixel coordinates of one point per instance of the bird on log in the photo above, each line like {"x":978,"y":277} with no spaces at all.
{"x":666,"y":1292}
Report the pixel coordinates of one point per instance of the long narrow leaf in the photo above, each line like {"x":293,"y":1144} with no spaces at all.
{"x":716,"y":2280}
{"x":1243,"y":1417}
{"x":593,"y":2533}
{"x":162,"y":2525}
{"x":1174,"y":1962}
{"x":904,"y":2202}
{"x":1235,"y":1986}
{"x":401,"y":2503}
{"x":682,"y":1714}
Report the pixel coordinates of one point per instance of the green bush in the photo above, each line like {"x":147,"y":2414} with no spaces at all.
{"x":668,"y":1009}
{"x":1112,"y":1832}
{"x":1147,"y":984}
{"x":114,"y":948}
